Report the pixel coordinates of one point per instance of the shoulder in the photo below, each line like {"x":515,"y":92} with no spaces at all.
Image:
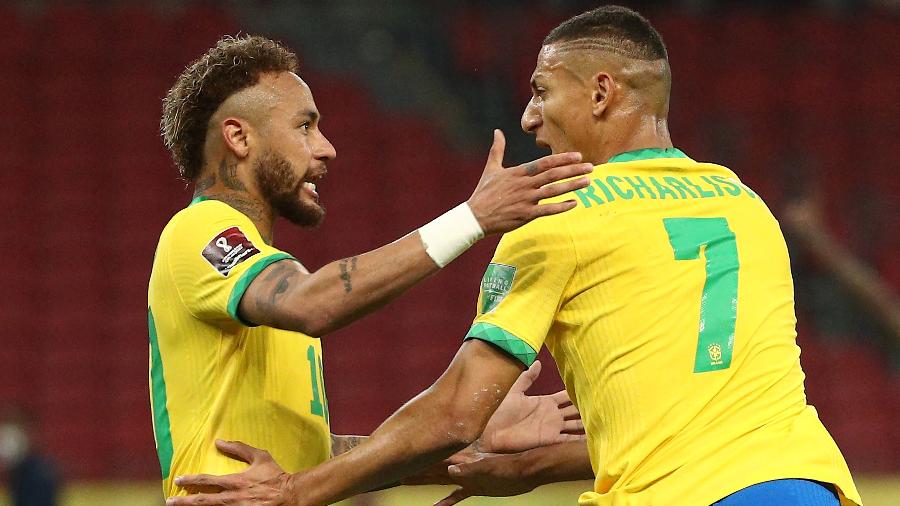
{"x":209,"y":211}
{"x":541,"y":240}
{"x":717,"y":168}
{"x":204,"y":221}
{"x":544,"y":228}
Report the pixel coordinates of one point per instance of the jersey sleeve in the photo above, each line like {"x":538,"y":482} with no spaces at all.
{"x":523,"y":287}
{"x":214,"y":253}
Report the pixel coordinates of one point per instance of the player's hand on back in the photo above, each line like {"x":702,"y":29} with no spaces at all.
{"x":507,"y":198}
{"x":264,"y":483}
{"x":486,"y":474}
{"x":522,"y":422}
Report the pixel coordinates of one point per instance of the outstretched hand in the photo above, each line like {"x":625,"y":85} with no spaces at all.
{"x":263,"y":483}
{"x":507,"y":198}
{"x":486,"y":474}
{"x":520,"y":423}
{"x":523,"y":422}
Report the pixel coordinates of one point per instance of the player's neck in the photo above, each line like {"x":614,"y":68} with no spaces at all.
{"x":222,"y":184}
{"x":646,"y":133}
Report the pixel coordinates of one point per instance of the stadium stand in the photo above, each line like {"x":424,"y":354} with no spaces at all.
{"x":89,"y":186}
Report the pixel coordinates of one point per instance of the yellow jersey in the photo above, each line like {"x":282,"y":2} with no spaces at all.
{"x":666,"y":299}
{"x":213,"y":376}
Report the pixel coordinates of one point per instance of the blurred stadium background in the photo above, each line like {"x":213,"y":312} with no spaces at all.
{"x":799,"y":98}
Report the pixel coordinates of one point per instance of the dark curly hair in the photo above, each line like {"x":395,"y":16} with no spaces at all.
{"x":233,"y":64}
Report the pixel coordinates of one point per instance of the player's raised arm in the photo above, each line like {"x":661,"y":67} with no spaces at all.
{"x":286,"y":296}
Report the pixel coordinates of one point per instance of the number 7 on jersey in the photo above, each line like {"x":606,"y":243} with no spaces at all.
{"x":718,"y":302}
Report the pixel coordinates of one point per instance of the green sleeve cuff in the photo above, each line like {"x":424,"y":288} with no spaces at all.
{"x":237,"y":293}
{"x":519,"y":349}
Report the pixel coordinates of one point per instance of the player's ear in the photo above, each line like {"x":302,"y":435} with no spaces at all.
{"x":604,"y":87}
{"x":236,"y":136}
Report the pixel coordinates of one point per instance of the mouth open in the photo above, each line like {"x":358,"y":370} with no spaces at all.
{"x":309,"y":184}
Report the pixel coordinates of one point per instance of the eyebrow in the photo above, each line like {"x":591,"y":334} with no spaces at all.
{"x":535,"y":78}
{"x":312,"y":114}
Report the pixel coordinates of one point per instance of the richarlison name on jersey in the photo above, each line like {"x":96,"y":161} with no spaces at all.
{"x":610,"y":188}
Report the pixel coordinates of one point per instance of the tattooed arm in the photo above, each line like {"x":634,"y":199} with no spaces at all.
{"x":440,"y":421}
{"x":287,"y":296}
{"x":343,"y":444}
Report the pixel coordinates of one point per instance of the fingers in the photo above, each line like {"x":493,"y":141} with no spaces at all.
{"x":561,"y":397}
{"x":566,"y":438}
{"x":195,"y":481}
{"x":557,"y":189}
{"x":573,"y":426}
{"x":541,"y":165}
{"x":562,"y":172}
{"x":457,"y":496}
{"x":495,"y":155}
{"x":534,"y":370}
{"x":555,"y":208}
{"x":239,"y":451}
{"x":570,"y":412}
{"x":527,"y":378}
{"x":462,"y":458}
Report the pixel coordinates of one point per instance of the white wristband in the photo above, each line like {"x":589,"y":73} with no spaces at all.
{"x":450,"y":234}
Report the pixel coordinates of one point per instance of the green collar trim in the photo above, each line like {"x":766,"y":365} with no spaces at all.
{"x":647,"y":154}
{"x":197,"y":199}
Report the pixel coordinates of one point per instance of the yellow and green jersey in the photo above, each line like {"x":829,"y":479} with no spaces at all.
{"x":213,"y":376}
{"x":666,"y":299}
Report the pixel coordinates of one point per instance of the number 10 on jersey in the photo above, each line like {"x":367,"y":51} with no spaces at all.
{"x":318,"y":405}
{"x":718,"y":302}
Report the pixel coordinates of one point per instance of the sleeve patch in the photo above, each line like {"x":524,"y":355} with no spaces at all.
{"x":495,"y":285}
{"x":228,"y":249}
{"x":522,"y":351}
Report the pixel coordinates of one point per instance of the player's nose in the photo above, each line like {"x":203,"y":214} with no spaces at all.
{"x":531,"y":118}
{"x":325,"y":150}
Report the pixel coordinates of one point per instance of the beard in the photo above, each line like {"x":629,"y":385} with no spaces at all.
{"x":281,"y":187}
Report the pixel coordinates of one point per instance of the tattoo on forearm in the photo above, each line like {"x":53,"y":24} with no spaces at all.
{"x":228,"y":174}
{"x":343,"y":444}
{"x":347,"y":266}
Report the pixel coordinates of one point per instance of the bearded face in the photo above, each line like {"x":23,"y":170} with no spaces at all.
{"x":290,"y":195}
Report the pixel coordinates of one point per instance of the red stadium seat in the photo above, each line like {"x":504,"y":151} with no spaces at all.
{"x":140,"y":42}
{"x":475,"y":40}
{"x":91,"y":187}
{"x":72,"y":39}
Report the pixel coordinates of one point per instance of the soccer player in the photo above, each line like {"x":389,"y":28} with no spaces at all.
{"x":234,"y":322}
{"x":665,"y":298}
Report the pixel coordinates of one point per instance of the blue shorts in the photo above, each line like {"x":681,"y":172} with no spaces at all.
{"x":793,"y":492}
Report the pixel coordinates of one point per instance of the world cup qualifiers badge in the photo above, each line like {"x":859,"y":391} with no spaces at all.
{"x":228,"y":249}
